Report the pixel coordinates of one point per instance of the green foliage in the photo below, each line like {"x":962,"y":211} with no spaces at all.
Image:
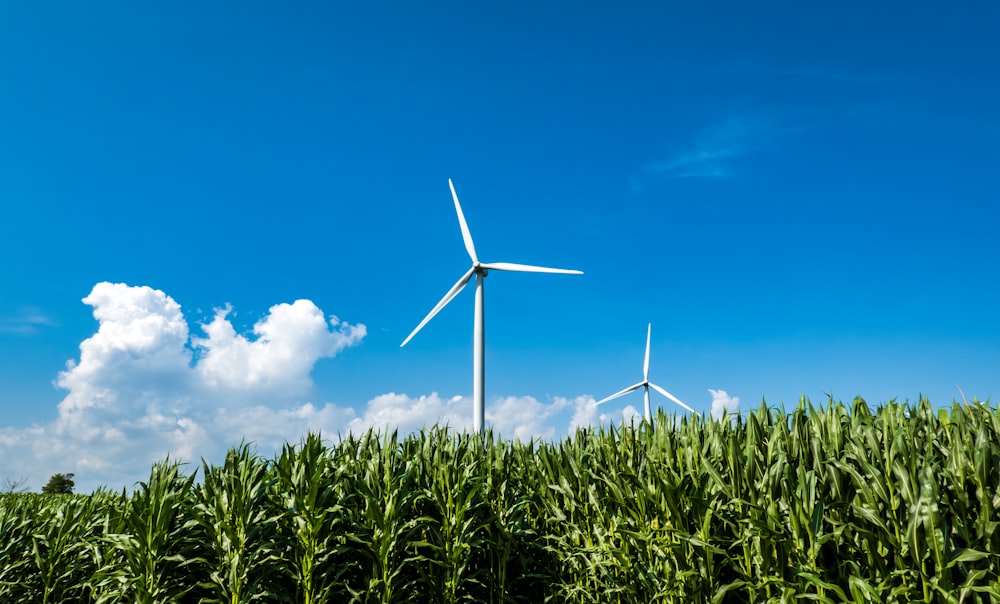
{"x":45,"y":544}
{"x":149,"y":543}
{"x":59,"y":484}
{"x":237,"y":526}
{"x":311,"y":491}
{"x":831,"y":503}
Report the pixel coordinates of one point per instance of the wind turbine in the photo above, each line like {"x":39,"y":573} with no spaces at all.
{"x":480,"y":270}
{"x":646,"y":384}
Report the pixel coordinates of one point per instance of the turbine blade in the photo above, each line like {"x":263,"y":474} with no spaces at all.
{"x":444,"y":301}
{"x":619,"y":393}
{"x":466,"y":235}
{"x":645,"y":364}
{"x":527,"y":268}
{"x":672,"y":397}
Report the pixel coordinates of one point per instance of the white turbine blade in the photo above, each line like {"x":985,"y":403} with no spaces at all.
{"x":527,"y":268}
{"x":619,"y":393}
{"x":645,"y":364}
{"x":466,"y":235}
{"x":444,"y":301}
{"x":672,"y":397}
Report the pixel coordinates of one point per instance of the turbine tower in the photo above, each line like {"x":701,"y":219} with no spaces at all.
{"x":646,"y":384}
{"x":480,"y":270}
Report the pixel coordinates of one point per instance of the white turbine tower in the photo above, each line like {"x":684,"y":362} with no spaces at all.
{"x":480,"y":270}
{"x":646,"y":384}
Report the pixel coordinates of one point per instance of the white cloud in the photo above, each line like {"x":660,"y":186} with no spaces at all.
{"x":584,"y":413}
{"x":631,"y":415}
{"x":139,"y":348}
{"x":524,"y":417}
{"x":270,"y":428}
{"x":399,"y":411}
{"x":722,"y":402}
{"x":289,"y":341}
{"x":143,"y":389}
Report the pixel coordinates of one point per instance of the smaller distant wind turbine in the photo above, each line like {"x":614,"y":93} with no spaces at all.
{"x":646,"y":384}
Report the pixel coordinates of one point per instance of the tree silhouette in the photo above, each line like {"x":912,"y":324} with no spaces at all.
{"x":59,"y":484}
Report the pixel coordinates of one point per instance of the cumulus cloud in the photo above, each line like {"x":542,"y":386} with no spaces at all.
{"x":287,"y":343}
{"x":143,"y":388}
{"x":270,"y":428}
{"x":139,"y":350}
{"x":399,"y":411}
{"x":631,"y":415}
{"x":584,"y":413}
{"x":524,"y":417}
{"x":722,"y":402}
{"x":521,"y":417}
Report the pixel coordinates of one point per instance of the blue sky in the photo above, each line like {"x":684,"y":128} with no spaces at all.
{"x":801,"y":198}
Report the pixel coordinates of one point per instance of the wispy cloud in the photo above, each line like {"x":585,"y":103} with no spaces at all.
{"x":713,"y":151}
{"x":27,"y":321}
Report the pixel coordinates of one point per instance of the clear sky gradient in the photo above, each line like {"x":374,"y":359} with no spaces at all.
{"x":802,"y":198}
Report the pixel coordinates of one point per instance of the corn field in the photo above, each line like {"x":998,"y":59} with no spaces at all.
{"x":835,"y":503}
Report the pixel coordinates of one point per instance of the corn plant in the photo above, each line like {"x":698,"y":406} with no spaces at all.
{"x":237,"y":526}
{"x":63,"y":530}
{"x":149,"y":545}
{"x":386,"y":531}
{"x":458,"y":516}
{"x":309,"y":487}
{"x":516,"y":557}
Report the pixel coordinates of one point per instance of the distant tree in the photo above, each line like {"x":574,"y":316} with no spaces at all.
{"x":10,"y":485}
{"x":59,"y":484}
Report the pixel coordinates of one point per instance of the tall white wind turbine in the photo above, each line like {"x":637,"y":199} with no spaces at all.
{"x":646,"y":384}
{"x":480,"y":270}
